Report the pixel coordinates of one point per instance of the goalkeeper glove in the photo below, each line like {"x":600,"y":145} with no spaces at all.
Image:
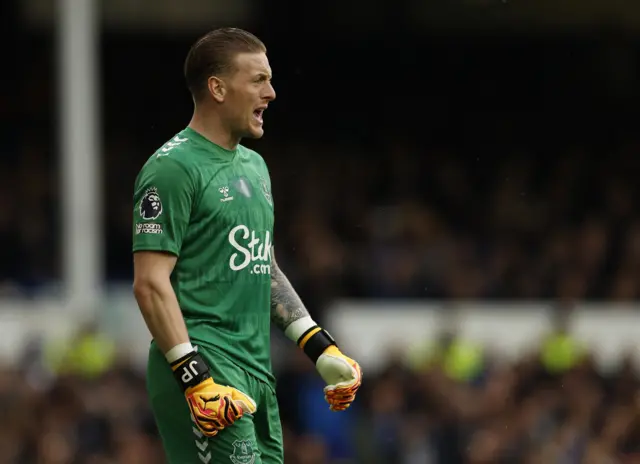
{"x":213,"y":407}
{"x":341,"y":373}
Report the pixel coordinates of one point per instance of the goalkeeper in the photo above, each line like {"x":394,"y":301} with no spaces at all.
{"x":205,"y":275}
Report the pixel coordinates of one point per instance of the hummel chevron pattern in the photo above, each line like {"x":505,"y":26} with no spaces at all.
{"x":202,"y":445}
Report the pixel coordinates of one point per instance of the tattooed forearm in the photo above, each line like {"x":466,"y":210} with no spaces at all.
{"x":286,"y":305}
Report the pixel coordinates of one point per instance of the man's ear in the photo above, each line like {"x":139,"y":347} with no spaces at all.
{"x":217,"y":88}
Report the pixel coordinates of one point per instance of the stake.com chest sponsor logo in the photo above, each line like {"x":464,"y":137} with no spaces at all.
{"x":253,"y":251}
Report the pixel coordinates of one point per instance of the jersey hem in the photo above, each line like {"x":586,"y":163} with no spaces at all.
{"x":268,"y":379}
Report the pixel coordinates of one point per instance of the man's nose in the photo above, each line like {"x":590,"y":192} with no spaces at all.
{"x":271,"y":93}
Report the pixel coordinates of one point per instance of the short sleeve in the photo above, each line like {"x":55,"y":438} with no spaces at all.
{"x":163,"y":197}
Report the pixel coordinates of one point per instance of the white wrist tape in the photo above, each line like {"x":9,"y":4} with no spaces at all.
{"x":178,"y":351}
{"x":297,"y":328}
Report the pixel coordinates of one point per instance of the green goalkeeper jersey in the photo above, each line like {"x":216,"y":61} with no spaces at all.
{"x":213,"y":209}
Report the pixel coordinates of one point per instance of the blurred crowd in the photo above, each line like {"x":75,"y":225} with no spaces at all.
{"x":417,"y":410}
{"x":450,"y":200}
{"x":418,"y":224}
{"x":405,"y":221}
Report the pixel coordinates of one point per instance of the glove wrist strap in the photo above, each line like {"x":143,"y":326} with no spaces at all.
{"x":190,"y":370}
{"x":315,"y":341}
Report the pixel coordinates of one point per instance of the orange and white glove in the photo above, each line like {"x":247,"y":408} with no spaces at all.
{"x":213,"y":407}
{"x":342,"y":374}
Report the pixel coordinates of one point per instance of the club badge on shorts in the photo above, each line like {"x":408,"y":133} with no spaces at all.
{"x":243,"y":452}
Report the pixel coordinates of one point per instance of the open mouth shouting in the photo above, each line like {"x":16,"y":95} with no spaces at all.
{"x":258,"y":112}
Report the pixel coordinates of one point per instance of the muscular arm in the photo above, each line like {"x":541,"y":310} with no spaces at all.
{"x":157,"y":300}
{"x":286,"y":305}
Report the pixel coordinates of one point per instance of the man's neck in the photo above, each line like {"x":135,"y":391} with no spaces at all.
{"x":210,"y":126}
